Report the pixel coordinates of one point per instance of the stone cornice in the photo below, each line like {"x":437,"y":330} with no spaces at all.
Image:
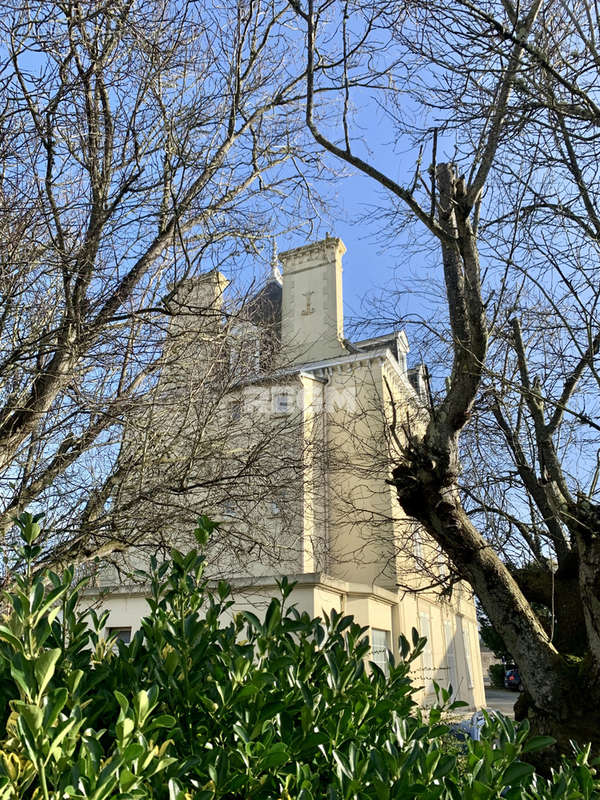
{"x":261,"y":583}
{"x":313,"y":252}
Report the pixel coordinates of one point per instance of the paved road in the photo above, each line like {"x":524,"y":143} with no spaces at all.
{"x":501,"y":699}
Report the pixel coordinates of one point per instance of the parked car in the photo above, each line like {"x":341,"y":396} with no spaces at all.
{"x":512,"y":680}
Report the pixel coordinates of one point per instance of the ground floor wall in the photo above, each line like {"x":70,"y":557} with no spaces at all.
{"x":451,"y":656}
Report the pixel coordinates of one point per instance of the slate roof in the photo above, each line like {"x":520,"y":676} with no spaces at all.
{"x":264,"y":308}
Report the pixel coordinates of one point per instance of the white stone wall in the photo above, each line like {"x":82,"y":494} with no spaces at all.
{"x":319,"y":503}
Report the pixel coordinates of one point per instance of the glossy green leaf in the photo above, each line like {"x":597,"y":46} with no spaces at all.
{"x":517,"y":772}
{"x":44,"y":667}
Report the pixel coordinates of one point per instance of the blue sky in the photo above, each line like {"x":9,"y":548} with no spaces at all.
{"x":369,"y":267}
{"x":377,"y":272}
{"x":376,"y":264}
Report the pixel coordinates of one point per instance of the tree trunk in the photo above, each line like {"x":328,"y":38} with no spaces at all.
{"x":560,"y":594}
{"x":562,"y":696}
{"x":587,"y":535}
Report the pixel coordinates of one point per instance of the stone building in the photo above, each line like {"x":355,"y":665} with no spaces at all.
{"x":322,"y":418}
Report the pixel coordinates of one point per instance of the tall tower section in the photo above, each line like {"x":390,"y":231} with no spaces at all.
{"x":195,"y":349}
{"x":312,"y":313}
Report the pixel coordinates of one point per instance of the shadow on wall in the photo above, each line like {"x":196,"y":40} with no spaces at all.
{"x":447,"y":659}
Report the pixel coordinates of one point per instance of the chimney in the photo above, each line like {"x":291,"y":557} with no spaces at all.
{"x":195,"y":328}
{"x":197,"y":303}
{"x":312,"y":314}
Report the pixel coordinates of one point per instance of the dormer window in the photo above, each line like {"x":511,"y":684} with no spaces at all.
{"x":417,"y":378}
{"x":244,"y":353}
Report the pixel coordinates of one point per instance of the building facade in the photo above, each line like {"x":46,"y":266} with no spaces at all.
{"x":303,"y":427}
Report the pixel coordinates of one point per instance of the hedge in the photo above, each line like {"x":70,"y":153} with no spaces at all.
{"x":196,"y":706}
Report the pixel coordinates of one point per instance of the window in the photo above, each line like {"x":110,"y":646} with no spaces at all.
{"x":418,"y":545}
{"x":122,"y":634}
{"x":235,"y":410}
{"x":427,"y":654}
{"x":228,"y":508}
{"x":277,"y":503}
{"x":442,"y":564}
{"x":380,"y":646}
{"x":450,"y":657}
{"x":244,"y":355}
{"x":282,"y":403}
{"x":467,"y":642}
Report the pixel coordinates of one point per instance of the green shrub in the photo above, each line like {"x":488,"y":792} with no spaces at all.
{"x":496,"y":673}
{"x":281,"y":708}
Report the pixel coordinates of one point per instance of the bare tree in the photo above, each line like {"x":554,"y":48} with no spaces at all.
{"x":209,"y":440}
{"x":508,"y":91}
{"x":142,"y":144}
